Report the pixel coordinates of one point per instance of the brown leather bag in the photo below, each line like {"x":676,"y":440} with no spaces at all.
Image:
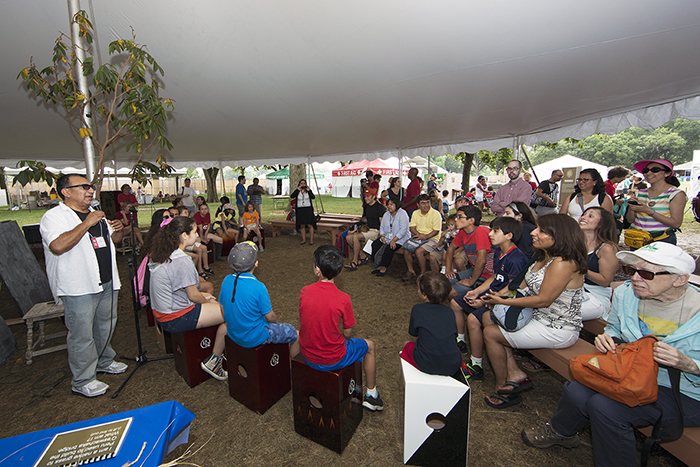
{"x":627,"y":376}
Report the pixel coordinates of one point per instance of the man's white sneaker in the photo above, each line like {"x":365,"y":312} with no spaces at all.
{"x":114,"y":368}
{"x":92,"y":389}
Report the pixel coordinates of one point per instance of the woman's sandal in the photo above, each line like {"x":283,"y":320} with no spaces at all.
{"x":534,"y":365}
{"x":352,"y":266}
{"x":517,"y":387}
{"x":204,"y":276}
{"x":208,"y":271}
{"x":506,"y":401}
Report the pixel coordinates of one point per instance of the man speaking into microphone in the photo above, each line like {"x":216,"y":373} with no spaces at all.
{"x":82,"y":271}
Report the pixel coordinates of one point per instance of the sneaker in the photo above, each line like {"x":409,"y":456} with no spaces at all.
{"x":261,"y":249}
{"x":473,"y":372}
{"x":214,"y":365}
{"x":92,"y":389}
{"x":463,"y":347}
{"x":373,"y":403}
{"x":543,"y":436}
{"x":114,"y":368}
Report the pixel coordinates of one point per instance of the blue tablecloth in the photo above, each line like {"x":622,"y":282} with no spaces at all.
{"x":162,"y":427}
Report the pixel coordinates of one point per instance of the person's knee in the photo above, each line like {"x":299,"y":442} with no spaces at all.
{"x":473,"y":322}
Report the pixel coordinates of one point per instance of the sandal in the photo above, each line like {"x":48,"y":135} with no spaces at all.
{"x":204,"y":276}
{"x":302,"y":242}
{"x":517,"y":387}
{"x":409,"y":276}
{"x":506,"y":401}
{"x":363,"y":261}
{"x":208,"y":271}
{"x":352,"y":266}
{"x":534,"y":365}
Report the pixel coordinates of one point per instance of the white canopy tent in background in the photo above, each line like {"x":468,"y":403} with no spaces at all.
{"x":280,"y":82}
{"x":544,"y":170}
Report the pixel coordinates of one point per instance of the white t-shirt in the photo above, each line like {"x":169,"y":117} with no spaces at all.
{"x":188,"y":201}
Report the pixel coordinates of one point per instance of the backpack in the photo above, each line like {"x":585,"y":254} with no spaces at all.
{"x":627,"y":376}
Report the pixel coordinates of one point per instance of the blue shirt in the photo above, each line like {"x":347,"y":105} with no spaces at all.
{"x":240,"y":190}
{"x":245,"y":317}
{"x":506,"y":267}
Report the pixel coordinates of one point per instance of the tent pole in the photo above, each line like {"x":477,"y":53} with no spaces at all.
{"x":223,"y":184}
{"x":530,"y":164}
{"x":79,"y":49}
{"x":316,"y":182}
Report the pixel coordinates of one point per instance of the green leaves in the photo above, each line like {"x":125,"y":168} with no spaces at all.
{"x":123,"y":93}
{"x":34,"y":172}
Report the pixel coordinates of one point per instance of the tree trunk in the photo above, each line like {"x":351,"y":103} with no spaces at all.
{"x":296,"y":173}
{"x":210,"y":176}
{"x":466,"y":171}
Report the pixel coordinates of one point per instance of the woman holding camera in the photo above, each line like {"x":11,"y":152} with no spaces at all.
{"x":658,"y":209}
{"x":304,"y":210}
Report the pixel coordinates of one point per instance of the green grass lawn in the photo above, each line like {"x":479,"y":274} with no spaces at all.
{"x":330,"y":204}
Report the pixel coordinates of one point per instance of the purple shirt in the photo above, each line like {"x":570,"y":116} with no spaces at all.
{"x":515,"y":190}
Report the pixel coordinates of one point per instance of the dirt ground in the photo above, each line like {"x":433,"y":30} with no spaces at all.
{"x":38,"y":396}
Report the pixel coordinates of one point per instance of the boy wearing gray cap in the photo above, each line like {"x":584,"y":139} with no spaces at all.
{"x":247,"y":308}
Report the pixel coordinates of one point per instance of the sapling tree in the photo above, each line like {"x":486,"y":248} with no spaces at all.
{"x":122,"y":101}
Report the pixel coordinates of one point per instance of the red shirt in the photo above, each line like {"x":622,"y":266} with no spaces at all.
{"x":122,"y":198}
{"x":533,"y":185}
{"x":610,"y":188}
{"x":412,"y":190}
{"x":203,"y":221}
{"x":321,"y":308}
{"x":472,"y":243}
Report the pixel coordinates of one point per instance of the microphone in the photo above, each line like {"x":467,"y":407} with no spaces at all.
{"x":95,"y":204}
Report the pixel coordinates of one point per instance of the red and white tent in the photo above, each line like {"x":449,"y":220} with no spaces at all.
{"x":346,"y":179}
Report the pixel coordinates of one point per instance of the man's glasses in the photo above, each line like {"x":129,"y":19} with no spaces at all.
{"x":512,"y":169}
{"x":84,"y":186}
{"x":584,"y":179}
{"x":462,"y":217}
{"x":653,"y":170}
{"x":646,"y":275}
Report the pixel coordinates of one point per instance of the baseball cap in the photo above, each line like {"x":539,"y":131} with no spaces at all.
{"x":243,"y":256}
{"x":370,"y":191}
{"x":671,"y":257}
{"x":461,"y":198}
{"x":639,"y":166}
{"x":227,"y":206}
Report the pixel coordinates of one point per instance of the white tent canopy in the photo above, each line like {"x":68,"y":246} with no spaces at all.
{"x":544,"y":170}
{"x":274,"y":81}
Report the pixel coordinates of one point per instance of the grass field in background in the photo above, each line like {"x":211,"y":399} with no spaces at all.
{"x":330,"y":204}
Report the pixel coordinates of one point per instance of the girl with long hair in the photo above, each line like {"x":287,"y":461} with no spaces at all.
{"x":176,"y":300}
{"x":598,"y":227}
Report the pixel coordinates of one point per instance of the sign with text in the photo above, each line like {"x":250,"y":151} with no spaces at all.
{"x":86,"y":445}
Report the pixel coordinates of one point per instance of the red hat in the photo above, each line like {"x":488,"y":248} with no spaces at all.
{"x":370,"y":191}
{"x":641,"y":165}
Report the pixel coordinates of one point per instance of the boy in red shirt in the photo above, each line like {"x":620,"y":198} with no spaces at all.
{"x":322,"y":307}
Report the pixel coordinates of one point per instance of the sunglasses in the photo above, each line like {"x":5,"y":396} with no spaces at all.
{"x":166,"y":216}
{"x":653,"y":170}
{"x":84,"y":186}
{"x":646,"y":275}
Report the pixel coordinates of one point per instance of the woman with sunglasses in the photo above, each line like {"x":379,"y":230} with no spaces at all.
{"x":554,"y":284}
{"x":589,"y":192}
{"x":658,"y":209}
{"x":598,"y":226}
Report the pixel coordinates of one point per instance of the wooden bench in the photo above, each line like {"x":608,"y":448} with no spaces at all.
{"x":686,"y":448}
{"x":332,"y":227}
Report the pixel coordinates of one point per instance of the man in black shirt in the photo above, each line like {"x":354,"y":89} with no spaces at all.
{"x":372,"y":216}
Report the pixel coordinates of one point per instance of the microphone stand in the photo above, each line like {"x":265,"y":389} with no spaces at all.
{"x":141,"y":359}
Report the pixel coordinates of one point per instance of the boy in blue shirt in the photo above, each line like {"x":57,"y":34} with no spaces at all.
{"x":508,"y":261}
{"x":247,"y":308}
